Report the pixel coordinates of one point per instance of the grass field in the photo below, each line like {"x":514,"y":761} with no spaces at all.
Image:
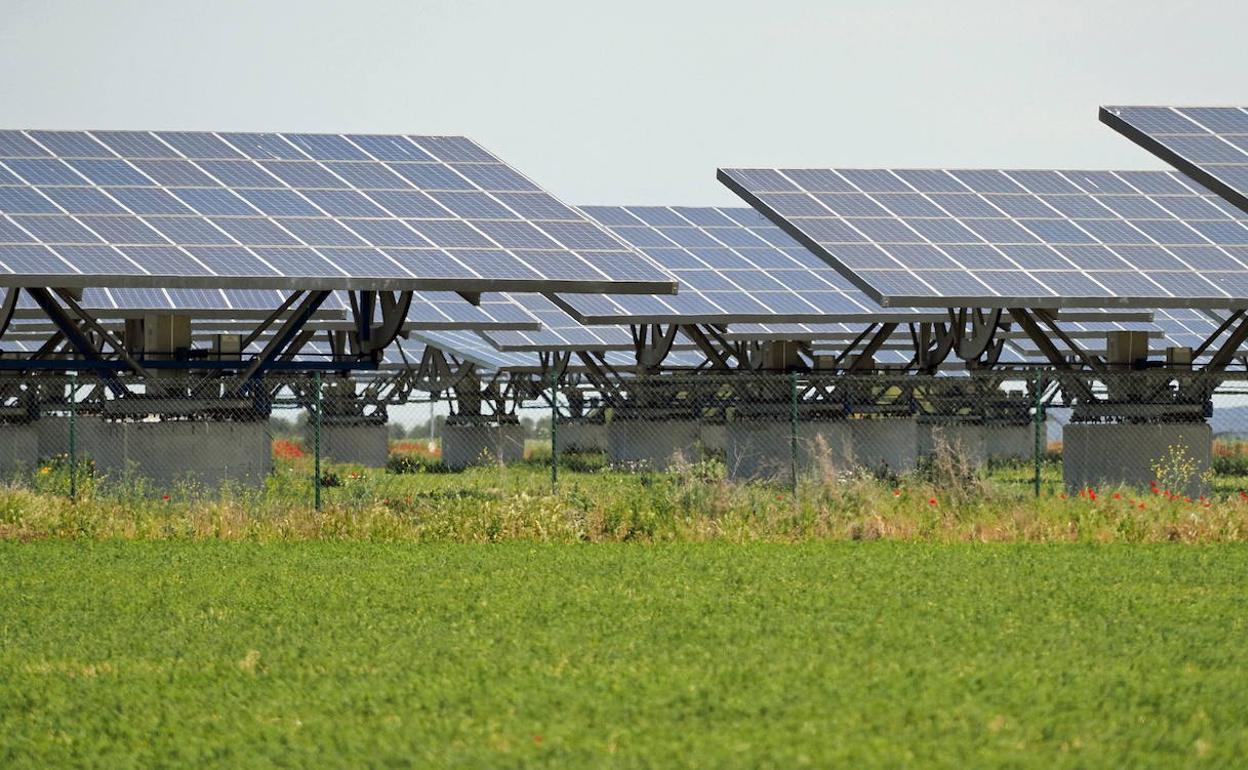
{"x":320,"y":654}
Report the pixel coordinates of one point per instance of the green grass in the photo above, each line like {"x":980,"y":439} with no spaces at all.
{"x":320,"y":654}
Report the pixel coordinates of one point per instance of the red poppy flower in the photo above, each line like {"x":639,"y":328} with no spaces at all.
{"x":931,"y":501}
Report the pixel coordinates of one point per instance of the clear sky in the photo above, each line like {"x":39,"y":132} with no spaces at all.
{"x":637,"y":101}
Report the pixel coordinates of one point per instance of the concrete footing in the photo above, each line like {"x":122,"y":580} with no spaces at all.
{"x":168,"y":453}
{"x":362,"y":443}
{"x":1096,"y":454}
{"x":886,"y":443}
{"x":713,"y":437}
{"x":19,"y":448}
{"x":764,"y":450}
{"x":481,"y":443}
{"x":582,"y":437}
{"x":1010,"y":442}
{"x":162,"y":453}
{"x":965,"y":440}
{"x":654,"y":444}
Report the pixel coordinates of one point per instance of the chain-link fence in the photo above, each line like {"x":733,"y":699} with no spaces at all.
{"x":314,"y":440}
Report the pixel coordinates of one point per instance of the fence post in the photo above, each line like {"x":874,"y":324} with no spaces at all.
{"x":1040,"y":429}
{"x":316,"y":441}
{"x":793,"y":431}
{"x":73,"y":437}
{"x":554,"y":432}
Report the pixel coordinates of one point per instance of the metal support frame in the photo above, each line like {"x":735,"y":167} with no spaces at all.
{"x":284,"y":335}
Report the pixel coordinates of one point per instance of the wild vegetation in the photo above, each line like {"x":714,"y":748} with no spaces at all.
{"x":415,"y":499}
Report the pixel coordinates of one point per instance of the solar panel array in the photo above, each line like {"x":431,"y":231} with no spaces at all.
{"x":474,"y":348}
{"x":1210,"y":144}
{"x":428,"y":310}
{"x":1000,"y":238}
{"x":559,"y":330}
{"x":186,"y":209}
{"x":733,"y":266}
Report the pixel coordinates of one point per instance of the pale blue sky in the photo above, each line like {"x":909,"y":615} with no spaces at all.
{"x":636,"y":102}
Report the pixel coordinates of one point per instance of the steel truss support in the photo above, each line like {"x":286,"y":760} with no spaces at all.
{"x":284,"y":335}
{"x":7,"y":307}
{"x":970,"y":334}
{"x":371,"y":337}
{"x":73,"y":334}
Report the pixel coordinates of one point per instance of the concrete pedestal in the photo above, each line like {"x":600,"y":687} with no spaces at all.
{"x":764,"y":450}
{"x":484,"y":443}
{"x":582,"y":437}
{"x":1010,"y":442}
{"x":168,"y":453}
{"x":886,"y":443}
{"x":714,"y":438}
{"x":19,"y":449}
{"x":362,"y":443}
{"x":966,"y":440}
{"x":53,"y":435}
{"x":654,"y":444}
{"x":1096,"y":454}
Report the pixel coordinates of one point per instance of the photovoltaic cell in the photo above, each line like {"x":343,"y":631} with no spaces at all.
{"x":253,"y":193}
{"x":1209,"y":144}
{"x":1024,"y":238}
{"x":733,"y":266}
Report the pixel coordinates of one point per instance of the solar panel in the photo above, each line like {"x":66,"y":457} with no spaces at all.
{"x":820,"y":332}
{"x":1209,"y":144}
{"x":428,"y":309}
{"x":197,"y":209}
{"x":471,"y":347}
{"x":559,"y":331}
{"x":1029,"y":238}
{"x":733,"y":266}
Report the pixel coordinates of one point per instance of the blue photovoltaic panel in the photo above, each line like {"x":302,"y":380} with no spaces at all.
{"x":1031,"y":238}
{"x":559,"y":332}
{"x":1209,"y":144}
{"x":733,"y":266}
{"x":293,"y":211}
{"x":428,"y":310}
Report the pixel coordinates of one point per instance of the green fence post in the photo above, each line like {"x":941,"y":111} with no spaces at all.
{"x":554,"y":432}
{"x":1041,"y":434}
{"x":316,"y":441}
{"x":73,"y":437}
{"x":793,"y":431}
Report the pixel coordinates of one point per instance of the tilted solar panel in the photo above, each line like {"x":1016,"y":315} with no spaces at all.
{"x":559,"y":331}
{"x":733,"y":266}
{"x":428,"y":309}
{"x":1209,"y":144}
{"x":1026,"y":238}
{"x":308,"y":211}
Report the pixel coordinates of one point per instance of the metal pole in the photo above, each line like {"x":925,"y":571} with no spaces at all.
{"x":1038,"y":450}
{"x":554,"y":432}
{"x":316,"y":441}
{"x":793,"y":431}
{"x":73,"y":437}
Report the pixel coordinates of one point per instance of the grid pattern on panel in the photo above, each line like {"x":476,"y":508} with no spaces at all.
{"x":1210,"y":144}
{"x":429,"y":309}
{"x":559,"y":330}
{"x":999,"y":238}
{"x":213,"y":209}
{"x":473,"y":348}
{"x":732,"y":264}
